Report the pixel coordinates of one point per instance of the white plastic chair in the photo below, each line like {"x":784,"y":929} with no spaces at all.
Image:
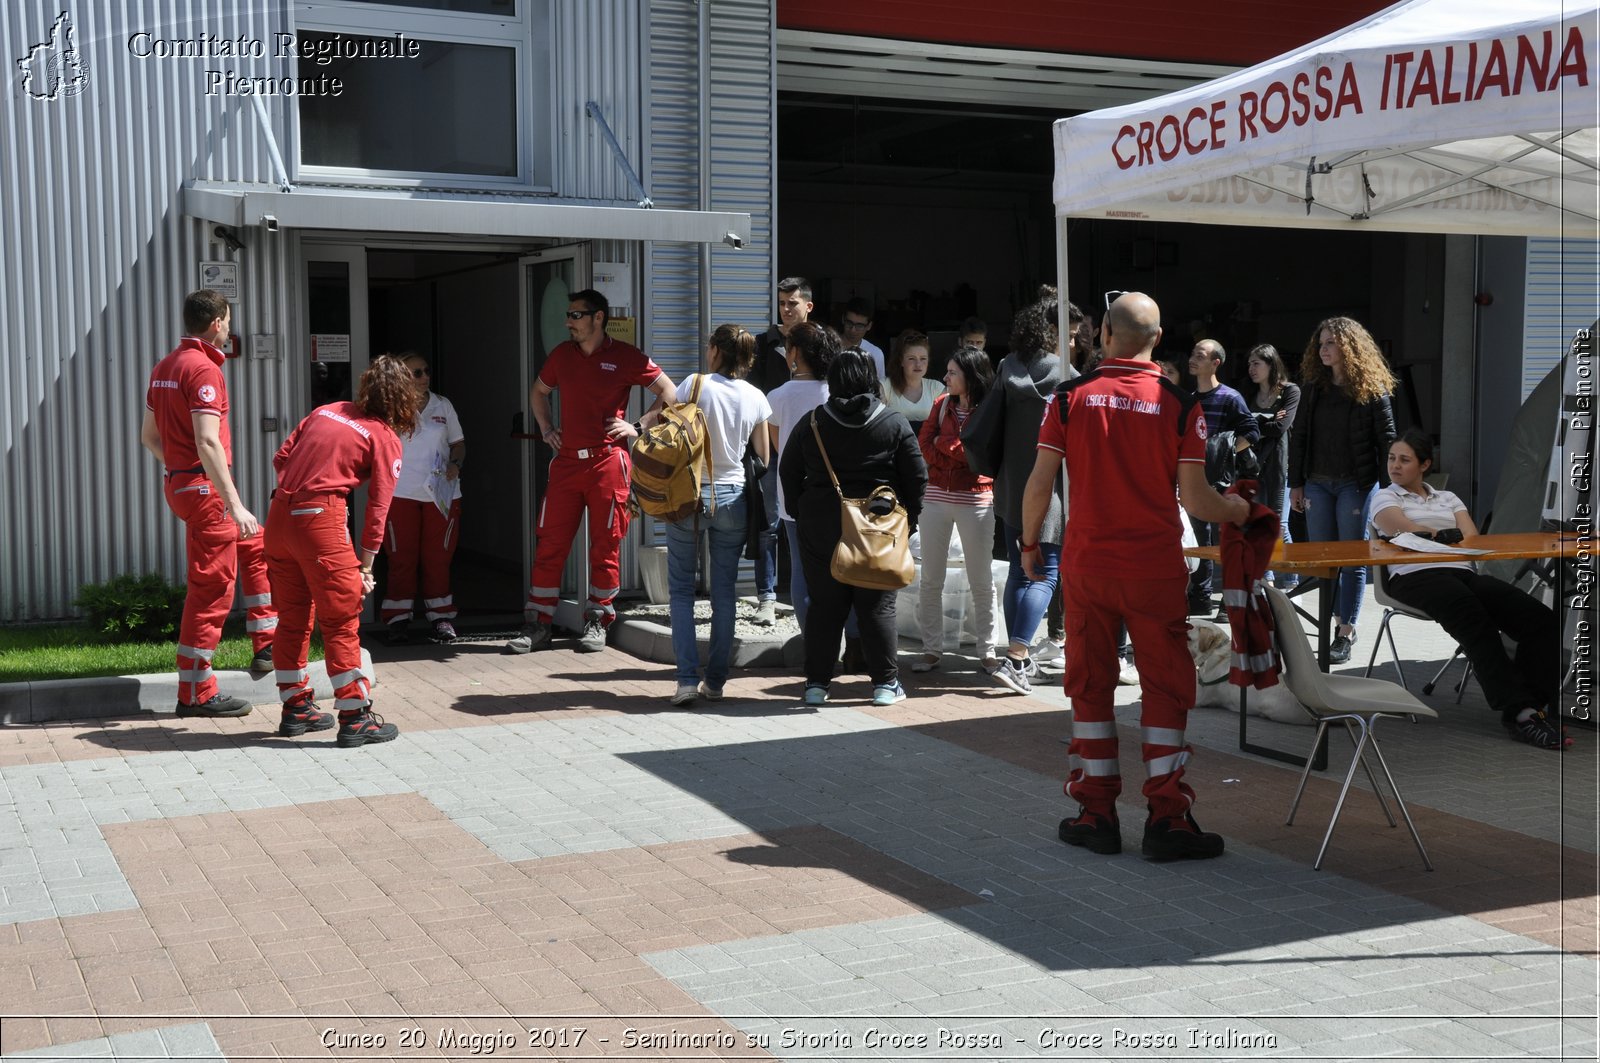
{"x":1357,"y":702}
{"x":1392,"y":607}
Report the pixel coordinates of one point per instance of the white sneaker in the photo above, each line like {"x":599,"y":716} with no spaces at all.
{"x":686,"y":695}
{"x":1013,"y":675}
{"x":766,"y":613}
{"x":710,"y":693}
{"x":1128,"y":675}
{"x":1049,"y":650}
{"x":926,"y":663}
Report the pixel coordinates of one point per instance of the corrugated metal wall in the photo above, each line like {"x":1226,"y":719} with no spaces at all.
{"x":96,"y":254}
{"x":743,"y":173}
{"x":742,"y":168}
{"x":95,"y":257}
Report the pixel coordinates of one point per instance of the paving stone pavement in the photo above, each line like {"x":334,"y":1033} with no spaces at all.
{"x":548,"y":847}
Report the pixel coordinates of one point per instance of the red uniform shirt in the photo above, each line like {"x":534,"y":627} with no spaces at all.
{"x":186,"y":382}
{"x":595,"y":387}
{"x":332,"y":451}
{"x":1124,"y":428}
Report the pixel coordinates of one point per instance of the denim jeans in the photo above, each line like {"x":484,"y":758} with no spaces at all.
{"x":767,"y":559}
{"x":725,"y":529}
{"x":1339,"y":511}
{"x":1025,"y":603}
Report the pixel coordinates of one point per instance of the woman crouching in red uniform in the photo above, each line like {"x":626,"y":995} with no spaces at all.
{"x":314,"y":569}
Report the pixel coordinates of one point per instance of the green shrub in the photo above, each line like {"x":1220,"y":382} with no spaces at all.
{"x":136,"y":607}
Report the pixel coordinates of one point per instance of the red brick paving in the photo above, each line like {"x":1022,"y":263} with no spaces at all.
{"x":383,"y":906}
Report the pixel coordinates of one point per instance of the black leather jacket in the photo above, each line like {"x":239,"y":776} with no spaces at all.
{"x":1370,"y":431}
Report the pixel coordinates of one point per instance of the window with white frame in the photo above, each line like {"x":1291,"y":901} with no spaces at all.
{"x":431,"y":92}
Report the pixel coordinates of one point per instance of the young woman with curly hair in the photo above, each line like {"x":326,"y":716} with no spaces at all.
{"x":309,"y":554}
{"x":1339,"y":450}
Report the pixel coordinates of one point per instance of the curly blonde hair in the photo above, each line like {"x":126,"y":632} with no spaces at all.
{"x":386,"y":392}
{"x":1366,"y":373}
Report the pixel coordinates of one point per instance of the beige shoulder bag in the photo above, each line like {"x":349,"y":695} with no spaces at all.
{"x":874,"y":550}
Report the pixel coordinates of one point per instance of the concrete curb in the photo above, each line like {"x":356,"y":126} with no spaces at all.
{"x":125,"y":695}
{"x":653,"y":642}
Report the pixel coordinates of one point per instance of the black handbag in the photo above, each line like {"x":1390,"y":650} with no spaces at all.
{"x":755,"y":503}
{"x":983,"y":437}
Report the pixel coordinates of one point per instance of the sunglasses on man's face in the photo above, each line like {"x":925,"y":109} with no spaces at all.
{"x":1112,"y":297}
{"x":579,"y":315}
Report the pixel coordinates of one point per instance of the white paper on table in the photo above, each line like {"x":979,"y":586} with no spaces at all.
{"x":1409,"y":541}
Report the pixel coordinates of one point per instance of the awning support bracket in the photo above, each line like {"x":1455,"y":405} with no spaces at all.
{"x":278,"y":169}
{"x":592,"y":109}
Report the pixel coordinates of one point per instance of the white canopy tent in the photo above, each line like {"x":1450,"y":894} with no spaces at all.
{"x":1440,"y":116}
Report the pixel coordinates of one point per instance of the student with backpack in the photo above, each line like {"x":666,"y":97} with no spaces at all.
{"x":589,"y":472}
{"x":730,"y":413}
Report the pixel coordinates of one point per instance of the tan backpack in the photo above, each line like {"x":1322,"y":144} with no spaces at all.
{"x":667,"y":460}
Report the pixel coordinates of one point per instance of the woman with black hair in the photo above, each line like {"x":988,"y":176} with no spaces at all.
{"x":956,"y":498}
{"x":1475,"y":609}
{"x":869,"y":446}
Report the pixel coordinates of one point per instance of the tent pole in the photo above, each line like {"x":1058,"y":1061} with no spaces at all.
{"x":1063,"y":327}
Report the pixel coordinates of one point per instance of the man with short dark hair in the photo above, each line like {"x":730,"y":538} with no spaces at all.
{"x":186,"y":428}
{"x":1225,"y":411}
{"x":590,"y":470}
{"x":974,"y":332}
{"x":853,"y":326}
{"x":771,"y":371}
{"x":1128,"y":437}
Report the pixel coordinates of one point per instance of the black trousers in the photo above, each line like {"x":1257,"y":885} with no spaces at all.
{"x":1476,"y":610}
{"x":831,"y":602}
{"x":1205,"y":534}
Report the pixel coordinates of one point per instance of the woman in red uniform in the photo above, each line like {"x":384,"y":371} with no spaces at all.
{"x":309,"y":554}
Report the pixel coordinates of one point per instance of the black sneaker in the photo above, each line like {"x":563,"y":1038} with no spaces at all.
{"x":1175,"y":838}
{"x":397,"y":635}
{"x":1537,"y":730}
{"x":1339,"y":648}
{"x":218,"y":705}
{"x":298,"y":719}
{"x":1222,"y":615}
{"x":444,"y":632}
{"x":359,"y":728}
{"x":593,"y":639}
{"x":1200,"y":605}
{"x":1098,"y":834}
{"x":261,"y":663}
{"x":534,"y":636}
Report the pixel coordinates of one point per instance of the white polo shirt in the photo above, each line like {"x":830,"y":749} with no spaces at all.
{"x":1434,"y":510}
{"x":427,"y":449}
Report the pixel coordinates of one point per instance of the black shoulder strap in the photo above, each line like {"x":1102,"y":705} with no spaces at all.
{"x":1064,"y":390}
{"x":1187,"y":400}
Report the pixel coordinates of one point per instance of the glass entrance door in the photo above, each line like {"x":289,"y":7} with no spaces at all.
{"x":549,"y":277}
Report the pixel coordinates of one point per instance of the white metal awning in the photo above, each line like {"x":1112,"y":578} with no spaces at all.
{"x":459,"y":213}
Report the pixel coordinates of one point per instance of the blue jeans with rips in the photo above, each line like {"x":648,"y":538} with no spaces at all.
{"x":725,"y":529}
{"x":1340,"y":511}
{"x":1025,"y":602}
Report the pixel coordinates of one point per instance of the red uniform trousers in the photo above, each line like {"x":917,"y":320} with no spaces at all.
{"x":317,"y":576}
{"x":596,"y":484}
{"x":417,"y":531}
{"x":1093,"y":607}
{"x":214,"y":557}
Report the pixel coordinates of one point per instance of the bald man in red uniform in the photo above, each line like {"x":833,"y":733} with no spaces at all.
{"x":590,"y":472}
{"x":1128,"y":437}
{"x":186,"y":428}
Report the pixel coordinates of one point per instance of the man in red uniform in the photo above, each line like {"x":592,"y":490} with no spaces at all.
{"x":186,"y":428}
{"x":1127,"y":435}
{"x":590,"y":470}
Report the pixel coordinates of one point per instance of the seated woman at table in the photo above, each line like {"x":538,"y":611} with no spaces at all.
{"x":1475,"y":609}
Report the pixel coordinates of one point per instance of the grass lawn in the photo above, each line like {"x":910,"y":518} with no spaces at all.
{"x":72,"y":651}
